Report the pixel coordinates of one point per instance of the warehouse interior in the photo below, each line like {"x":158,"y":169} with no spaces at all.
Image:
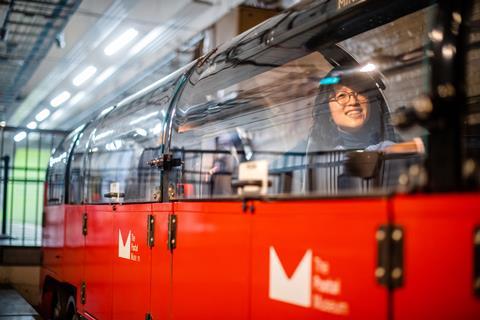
{"x":239,"y":159}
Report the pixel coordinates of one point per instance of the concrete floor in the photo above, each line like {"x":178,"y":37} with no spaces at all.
{"x":14,"y":307}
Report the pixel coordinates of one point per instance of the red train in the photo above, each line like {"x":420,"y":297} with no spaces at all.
{"x":324,"y":164}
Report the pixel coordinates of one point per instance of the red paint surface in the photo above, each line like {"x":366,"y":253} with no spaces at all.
{"x":220,"y":268}
{"x":74,"y":253}
{"x":131,"y":277}
{"x":160,"y":301}
{"x":211,"y":262}
{"x":100,"y":247}
{"x":53,"y":239}
{"x":438,"y":256}
{"x":340,"y":233}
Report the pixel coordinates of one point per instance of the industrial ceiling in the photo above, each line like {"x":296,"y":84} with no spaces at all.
{"x":62,"y":61}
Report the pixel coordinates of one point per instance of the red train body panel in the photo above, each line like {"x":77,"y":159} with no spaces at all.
{"x":341,"y":257}
{"x":211,"y":274}
{"x":439,"y":238}
{"x":287,"y":259}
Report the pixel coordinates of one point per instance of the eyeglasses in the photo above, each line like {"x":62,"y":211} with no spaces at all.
{"x":343,"y":97}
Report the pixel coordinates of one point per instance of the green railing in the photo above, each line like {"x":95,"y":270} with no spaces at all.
{"x":24,"y":156}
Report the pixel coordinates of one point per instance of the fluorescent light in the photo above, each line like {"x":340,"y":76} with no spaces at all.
{"x":157,"y":129}
{"x":104,"y":75}
{"x":141,"y":132}
{"x":120,"y":42}
{"x":103,"y":135}
{"x":142,"y":118}
{"x":368,"y":67}
{"x":20,"y":136}
{"x":57,"y":114}
{"x":83,"y":76}
{"x":106,"y":110}
{"x":61,"y":98}
{"x":152,"y":35}
{"x":76,"y":98}
{"x":42,"y":115}
{"x":32,"y":125}
{"x":3,"y":123}
{"x":115,"y":145}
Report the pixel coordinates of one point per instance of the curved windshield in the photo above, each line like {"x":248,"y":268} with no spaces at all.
{"x":318,"y":113}
{"x":121,"y":146}
{"x":57,"y":169}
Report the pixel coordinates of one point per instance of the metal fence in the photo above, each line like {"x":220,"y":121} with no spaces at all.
{"x":24,"y":156}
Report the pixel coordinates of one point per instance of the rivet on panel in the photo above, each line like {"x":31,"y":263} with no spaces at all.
{"x":396,"y":273}
{"x":380,"y":235}
{"x":379,"y":272}
{"x":397,"y":235}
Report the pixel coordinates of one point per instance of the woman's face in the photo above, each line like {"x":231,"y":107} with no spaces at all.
{"x":349,"y":109}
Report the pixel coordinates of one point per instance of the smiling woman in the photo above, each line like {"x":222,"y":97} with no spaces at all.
{"x":350,"y":113}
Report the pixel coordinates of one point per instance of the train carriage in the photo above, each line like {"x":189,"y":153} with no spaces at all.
{"x":323,"y":164}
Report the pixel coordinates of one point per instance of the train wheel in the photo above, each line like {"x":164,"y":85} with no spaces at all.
{"x":71,"y":309}
{"x":63,"y":306}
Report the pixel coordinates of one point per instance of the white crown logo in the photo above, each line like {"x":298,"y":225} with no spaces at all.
{"x":124,"y":249}
{"x":296,"y":290}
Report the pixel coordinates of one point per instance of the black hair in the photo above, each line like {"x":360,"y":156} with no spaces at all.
{"x":325,"y":135}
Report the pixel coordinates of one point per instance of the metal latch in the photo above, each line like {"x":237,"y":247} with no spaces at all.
{"x":389,"y":271}
{"x":85,"y":224}
{"x":172,"y":232}
{"x":165,"y":162}
{"x":83,"y":293}
{"x":151,"y":230}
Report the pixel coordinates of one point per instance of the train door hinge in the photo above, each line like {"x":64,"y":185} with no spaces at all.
{"x":248,"y":206}
{"x":148,"y":316}
{"x":476,"y":261}
{"x":83,"y":293}
{"x":389,"y":271}
{"x":85,"y":224}
{"x":172,"y":232}
{"x":151,"y":230}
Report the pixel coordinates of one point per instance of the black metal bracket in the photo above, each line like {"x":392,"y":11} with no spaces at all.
{"x":476,"y":261}
{"x":248,"y":206}
{"x":150,"y":230}
{"x":85,"y":224}
{"x":83,"y":293}
{"x":114,"y":195}
{"x":172,"y":232}
{"x":165,"y":162}
{"x":247,"y":183}
{"x":390,"y":270}
{"x":244,"y":183}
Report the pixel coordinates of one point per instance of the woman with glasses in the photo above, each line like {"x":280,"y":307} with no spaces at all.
{"x":350,"y":112}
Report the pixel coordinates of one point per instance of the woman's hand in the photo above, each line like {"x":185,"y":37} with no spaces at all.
{"x":413,"y":146}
